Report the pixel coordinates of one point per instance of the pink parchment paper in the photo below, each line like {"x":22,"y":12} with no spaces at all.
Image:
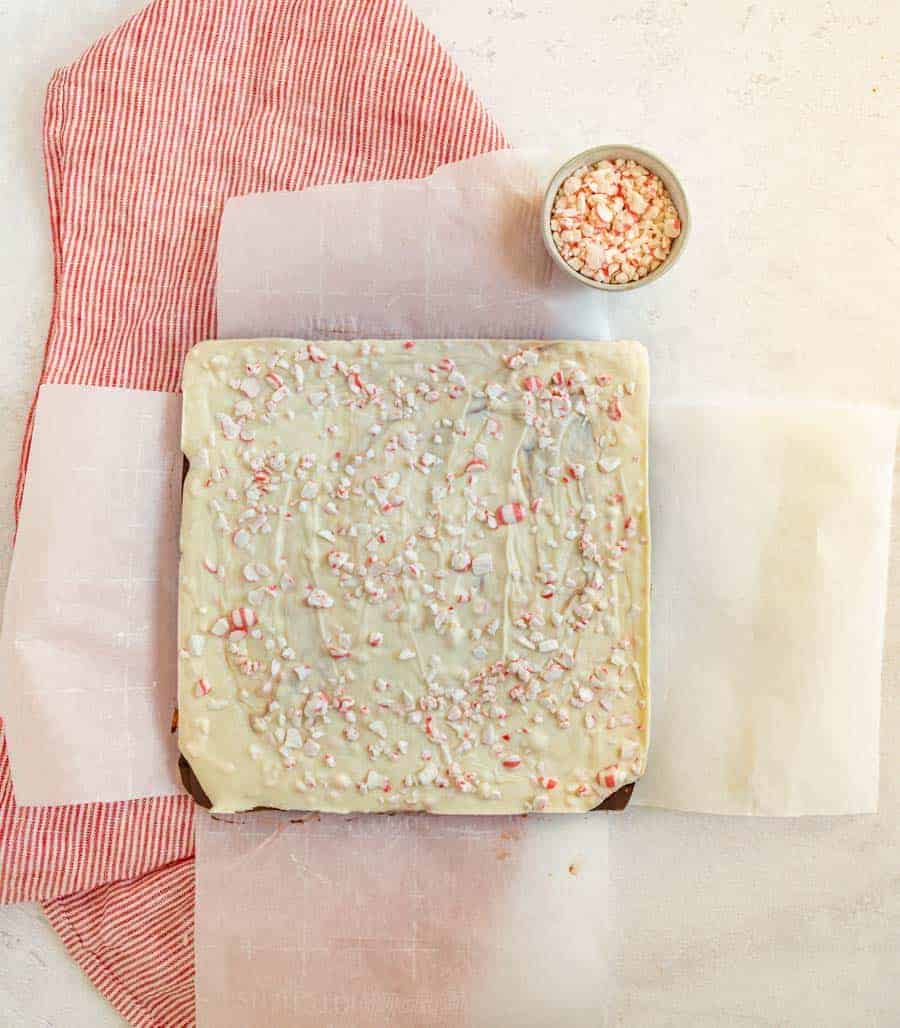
{"x":456,"y":255}
{"x":401,"y":919}
{"x":88,"y":649}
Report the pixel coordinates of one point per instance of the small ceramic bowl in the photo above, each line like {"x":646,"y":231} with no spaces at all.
{"x":649,"y":161}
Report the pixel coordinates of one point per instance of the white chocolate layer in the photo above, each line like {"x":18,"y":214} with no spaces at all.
{"x":414,"y":576}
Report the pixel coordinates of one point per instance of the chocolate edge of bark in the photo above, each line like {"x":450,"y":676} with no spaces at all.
{"x":616,"y":802}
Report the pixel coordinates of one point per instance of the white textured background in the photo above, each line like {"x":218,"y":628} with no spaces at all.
{"x":801,"y":97}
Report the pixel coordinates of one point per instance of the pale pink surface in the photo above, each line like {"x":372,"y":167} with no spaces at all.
{"x":89,"y":642}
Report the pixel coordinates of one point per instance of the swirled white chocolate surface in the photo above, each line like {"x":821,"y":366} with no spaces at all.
{"x":414,"y":576}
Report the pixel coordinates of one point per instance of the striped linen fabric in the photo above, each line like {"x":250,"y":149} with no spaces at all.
{"x":146,"y":136}
{"x":135,"y":941}
{"x":46,"y":852}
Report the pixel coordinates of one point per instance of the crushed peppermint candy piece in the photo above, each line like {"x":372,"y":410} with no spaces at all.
{"x":611,"y":777}
{"x":461,"y":561}
{"x":510,"y":513}
{"x":243,"y":618}
{"x":483,"y":564}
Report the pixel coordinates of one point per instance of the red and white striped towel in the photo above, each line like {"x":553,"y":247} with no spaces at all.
{"x":146,"y":136}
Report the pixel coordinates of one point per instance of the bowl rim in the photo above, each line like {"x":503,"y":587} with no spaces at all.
{"x":628,"y":152}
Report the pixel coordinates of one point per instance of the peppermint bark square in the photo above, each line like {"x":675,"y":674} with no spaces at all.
{"x":414,"y":575}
